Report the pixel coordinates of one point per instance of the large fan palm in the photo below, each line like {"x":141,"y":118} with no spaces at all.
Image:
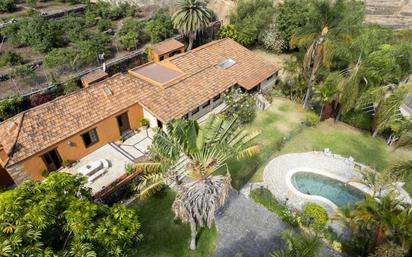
{"x":208,"y":148}
{"x":192,"y":17}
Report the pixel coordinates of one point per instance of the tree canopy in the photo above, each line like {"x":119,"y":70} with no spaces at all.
{"x":58,"y":217}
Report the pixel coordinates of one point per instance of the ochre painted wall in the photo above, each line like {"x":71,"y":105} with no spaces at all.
{"x":156,"y":58}
{"x":107,"y":131}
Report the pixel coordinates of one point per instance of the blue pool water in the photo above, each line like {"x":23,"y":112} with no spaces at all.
{"x":339,"y":193}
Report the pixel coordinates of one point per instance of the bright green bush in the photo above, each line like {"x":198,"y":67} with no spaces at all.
{"x":315,"y":216}
{"x":311,"y":119}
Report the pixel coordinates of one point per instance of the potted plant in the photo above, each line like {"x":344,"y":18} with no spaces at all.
{"x":145,"y":123}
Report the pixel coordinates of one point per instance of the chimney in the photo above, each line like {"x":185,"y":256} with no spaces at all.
{"x":93,"y":77}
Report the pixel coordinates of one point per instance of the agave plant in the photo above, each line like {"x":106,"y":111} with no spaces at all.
{"x":208,"y":148}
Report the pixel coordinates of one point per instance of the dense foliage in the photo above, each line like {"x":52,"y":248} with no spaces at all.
{"x":249,"y":20}
{"x":160,"y":26}
{"x":132,"y":34}
{"x":10,"y":107}
{"x":58,"y":217}
{"x":240,"y":105}
{"x":7,"y":5}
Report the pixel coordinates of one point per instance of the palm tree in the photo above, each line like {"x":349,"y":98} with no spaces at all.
{"x":192,"y":17}
{"x":208,"y":148}
{"x":298,"y":245}
{"x":330,"y":21}
{"x":381,"y":221}
{"x":387,"y":100}
{"x":326,"y":92}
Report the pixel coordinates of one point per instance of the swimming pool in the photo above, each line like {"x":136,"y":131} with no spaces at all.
{"x":339,"y":193}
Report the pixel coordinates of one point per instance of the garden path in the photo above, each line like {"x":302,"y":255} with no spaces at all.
{"x":247,"y":229}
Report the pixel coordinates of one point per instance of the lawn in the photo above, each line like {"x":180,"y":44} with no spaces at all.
{"x":348,"y":141}
{"x":165,"y":237}
{"x":273,"y":124}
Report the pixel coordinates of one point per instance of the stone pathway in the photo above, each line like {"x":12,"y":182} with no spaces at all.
{"x":247,"y":229}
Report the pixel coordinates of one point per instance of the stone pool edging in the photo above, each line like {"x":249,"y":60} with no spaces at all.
{"x":278,"y":173}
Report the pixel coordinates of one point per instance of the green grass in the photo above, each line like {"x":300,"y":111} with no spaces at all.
{"x":165,"y":237}
{"x":347,"y":141}
{"x":272,"y":124}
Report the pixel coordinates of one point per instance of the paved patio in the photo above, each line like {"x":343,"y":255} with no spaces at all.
{"x":118,"y":155}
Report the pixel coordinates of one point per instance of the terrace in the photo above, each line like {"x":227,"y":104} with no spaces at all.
{"x":107,"y":164}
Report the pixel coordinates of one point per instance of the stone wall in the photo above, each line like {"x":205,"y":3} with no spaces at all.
{"x":17,"y":173}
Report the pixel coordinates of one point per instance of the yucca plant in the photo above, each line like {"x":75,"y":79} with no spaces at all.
{"x":208,"y":148}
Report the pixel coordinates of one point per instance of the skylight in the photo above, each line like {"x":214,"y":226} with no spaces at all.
{"x":226,"y":63}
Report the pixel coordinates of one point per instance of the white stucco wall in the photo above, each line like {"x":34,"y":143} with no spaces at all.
{"x":152,"y":119}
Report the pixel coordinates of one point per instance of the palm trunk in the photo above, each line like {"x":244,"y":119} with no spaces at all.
{"x":191,"y":39}
{"x":194,"y":234}
{"x":308,"y":90}
{"x":321,"y":112}
{"x":339,"y":114}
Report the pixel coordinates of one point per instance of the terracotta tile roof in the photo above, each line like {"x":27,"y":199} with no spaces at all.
{"x":166,"y":46}
{"x":205,"y":79}
{"x":49,"y":124}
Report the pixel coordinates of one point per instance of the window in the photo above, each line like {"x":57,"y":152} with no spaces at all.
{"x":90,"y":138}
{"x":161,"y":58}
{"x":216,"y":98}
{"x":205,"y":104}
{"x":195,"y":111}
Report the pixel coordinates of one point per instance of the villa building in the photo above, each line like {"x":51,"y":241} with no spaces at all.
{"x":176,"y":84}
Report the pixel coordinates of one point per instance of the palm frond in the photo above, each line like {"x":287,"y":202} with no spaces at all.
{"x":249,"y":152}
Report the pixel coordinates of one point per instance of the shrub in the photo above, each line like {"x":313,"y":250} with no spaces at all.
{"x":131,"y":34}
{"x":160,"y":26}
{"x":264,"y":197}
{"x":311,"y":119}
{"x":240,"y":105}
{"x":272,"y":39}
{"x":38,"y":99}
{"x":45,"y":173}
{"x":22,"y":72}
{"x":7,"y":6}
{"x":358,"y":120}
{"x":67,"y":163}
{"x":315,"y":216}
{"x":129,"y":168}
{"x":250,"y":18}
{"x":10,"y":58}
{"x":104,"y":24}
{"x":10,"y":107}
{"x":291,"y":15}
{"x":144,"y":122}
{"x":228,"y":31}
{"x":70,"y":87}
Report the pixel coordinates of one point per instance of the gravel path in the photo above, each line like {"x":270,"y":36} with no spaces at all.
{"x":247,"y":229}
